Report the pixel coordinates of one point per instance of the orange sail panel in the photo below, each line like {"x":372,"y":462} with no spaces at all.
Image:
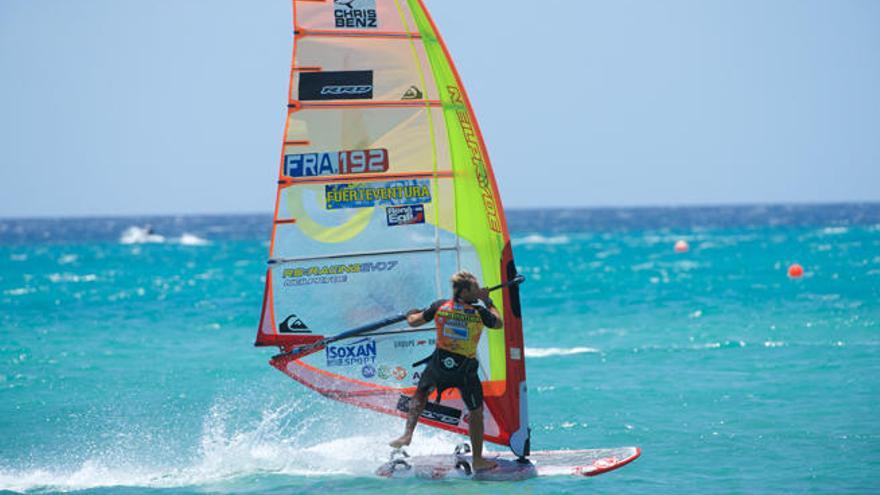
{"x":385,"y":190}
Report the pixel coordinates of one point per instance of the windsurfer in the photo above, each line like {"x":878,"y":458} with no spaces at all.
{"x":460,"y":323}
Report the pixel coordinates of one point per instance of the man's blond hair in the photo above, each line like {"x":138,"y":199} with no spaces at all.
{"x":463,"y":281}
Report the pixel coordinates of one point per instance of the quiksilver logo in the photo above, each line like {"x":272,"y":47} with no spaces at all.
{"x":292,"y":324}
{"x":346,"y":90}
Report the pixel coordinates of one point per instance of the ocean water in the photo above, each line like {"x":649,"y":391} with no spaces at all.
{"x":128,"y":368}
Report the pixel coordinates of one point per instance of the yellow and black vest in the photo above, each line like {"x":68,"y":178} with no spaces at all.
{"x":459,"y":327}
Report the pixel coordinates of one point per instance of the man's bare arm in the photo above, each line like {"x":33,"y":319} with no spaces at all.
{"x":416,"y":318}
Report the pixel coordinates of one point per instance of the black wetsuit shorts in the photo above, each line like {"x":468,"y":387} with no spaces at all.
{"x":449,"y":370}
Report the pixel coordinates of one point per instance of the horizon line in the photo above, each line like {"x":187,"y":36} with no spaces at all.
{"x":694,"y":206}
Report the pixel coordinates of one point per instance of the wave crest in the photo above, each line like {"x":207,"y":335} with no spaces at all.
{"x":538,"y":352}
{"x":237,"y":449}
{"x":539,"y":239}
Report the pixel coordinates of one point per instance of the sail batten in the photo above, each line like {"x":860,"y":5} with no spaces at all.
{"x":385,"y":190}
{"x":356,"y":34}
{"x":368,"y":178}
{"x":365,"y":253}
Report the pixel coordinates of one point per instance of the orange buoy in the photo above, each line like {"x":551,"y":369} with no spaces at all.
{"x":795,"y":271}
{"x":681,"y":246}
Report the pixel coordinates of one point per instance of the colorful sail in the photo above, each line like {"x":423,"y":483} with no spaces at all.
{"x":385,"y":190}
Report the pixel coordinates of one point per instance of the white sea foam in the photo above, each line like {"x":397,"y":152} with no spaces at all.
{"x":287,"y":440}
{"x":538,"y":352}
{"x":192,"y":240}
{"x":721,"y":345}
{"x":648,"y":265}
{"x":67,"y":259}
{"x":19,"y":292}
{"x":686,"y":265}
{"x":539,"y":239}
{"x":71,"y":277}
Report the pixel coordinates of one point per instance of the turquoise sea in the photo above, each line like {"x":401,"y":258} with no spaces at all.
{"x":129,"y":368}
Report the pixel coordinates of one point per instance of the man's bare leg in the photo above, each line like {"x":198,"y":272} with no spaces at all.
{"x":475,"y":428}
{"x":416,"y":406}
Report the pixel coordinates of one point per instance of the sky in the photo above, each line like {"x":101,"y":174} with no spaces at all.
{"x":124,"y":107}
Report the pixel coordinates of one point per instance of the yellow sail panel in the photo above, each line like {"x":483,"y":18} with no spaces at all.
{"x":385,"y":190}
{"x":407,"y":134}
{"x":394,"y":76}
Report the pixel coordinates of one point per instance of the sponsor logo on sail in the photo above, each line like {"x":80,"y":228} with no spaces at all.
{"x":364,"y":195}
{"x":369,"y":371}
{"x":358,"y":353}
{"x":433,"y":411}
{"x":336,"y":163}
{"x":336,"y":85}
{"x":478,"y":161}
{"x":355,"y":14}
{"x":333,"y":274}
{"x":407,"y":343}
{"x":293,"y":324}
{"x":405,"y":215}
{"x":399,"y":373}
{"x":413,"y":93}
{"x":384,"y":372}
{"x":346,"y":90}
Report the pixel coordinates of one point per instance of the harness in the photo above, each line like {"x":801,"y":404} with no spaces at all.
{"x":451,"y":368}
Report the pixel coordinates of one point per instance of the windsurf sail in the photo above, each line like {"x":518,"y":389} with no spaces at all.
{"x":385,"y":190}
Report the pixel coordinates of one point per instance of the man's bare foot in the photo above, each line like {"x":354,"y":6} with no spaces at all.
{"x":481,"y":464}
{"x":400,"y":442}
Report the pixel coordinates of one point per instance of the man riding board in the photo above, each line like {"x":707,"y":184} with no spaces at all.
{"x":460,"y":323}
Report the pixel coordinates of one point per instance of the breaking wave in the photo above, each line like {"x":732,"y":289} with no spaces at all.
{"x":192,"y":240}
{"x":538,"y":352}
{"x":285,"y":441}
{"x":539,"y":239}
